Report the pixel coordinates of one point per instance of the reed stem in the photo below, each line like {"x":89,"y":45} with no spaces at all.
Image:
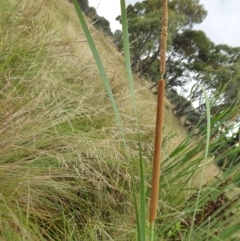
{"x":159,"y":120}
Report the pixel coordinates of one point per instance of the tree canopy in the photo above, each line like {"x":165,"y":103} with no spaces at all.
{"x":144,"y":19}
{"x":98,"y":21}
{"x":191,"y":55}
{"x":84,"y":5}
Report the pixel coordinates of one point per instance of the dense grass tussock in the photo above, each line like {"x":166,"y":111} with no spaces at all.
{"x":63,"y":167}
{"x":64,"y":170}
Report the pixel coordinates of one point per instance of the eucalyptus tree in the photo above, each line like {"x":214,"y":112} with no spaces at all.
{"x":191,"y":56}
{"x":144,"y":30}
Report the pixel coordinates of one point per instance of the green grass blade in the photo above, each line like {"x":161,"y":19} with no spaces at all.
{"x":151,"y":233}
{"x":137,"y":214}
{"x":127,"y":53}
{"x":205,"y":156}
{"x":99,"y":64}
{"x":143,"y":195}
{"x":228,"y":232}
{"x":142,"y":222}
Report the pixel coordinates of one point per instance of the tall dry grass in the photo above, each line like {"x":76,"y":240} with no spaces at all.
{"x":63,"y":167}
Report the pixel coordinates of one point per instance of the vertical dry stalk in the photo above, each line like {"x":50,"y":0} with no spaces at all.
{"x":163,"y":40}
{"x":159,"y":117}
{"x":157,"y":152}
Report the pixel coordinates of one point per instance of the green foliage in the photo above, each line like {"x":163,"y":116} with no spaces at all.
{"x":84,"y":5}
{"x":143,"y":29}
{"x":99,"y":22}
{"x":144,"y":19}
{"x":92,"y":12}
{"x":191,"y":10}
{"x":228,"y":142}
{"x":167,"y":138}
{"x":212,"y":217}
{"x":102,"y":24}
{"x":195,"y":47}
{"x":192,"y":57}
{"x":118,"y":40}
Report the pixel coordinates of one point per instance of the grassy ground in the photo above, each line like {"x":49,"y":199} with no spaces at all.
{"x":63,"y":165}
{"x":64,"y":171}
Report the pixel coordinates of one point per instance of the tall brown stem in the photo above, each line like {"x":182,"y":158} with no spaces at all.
{"x":157,"y":151}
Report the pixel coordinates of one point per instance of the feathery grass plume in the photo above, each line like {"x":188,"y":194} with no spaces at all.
{"x":163,"y":40}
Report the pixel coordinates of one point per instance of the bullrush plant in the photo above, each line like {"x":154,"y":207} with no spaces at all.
{"x":159,"y":122}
